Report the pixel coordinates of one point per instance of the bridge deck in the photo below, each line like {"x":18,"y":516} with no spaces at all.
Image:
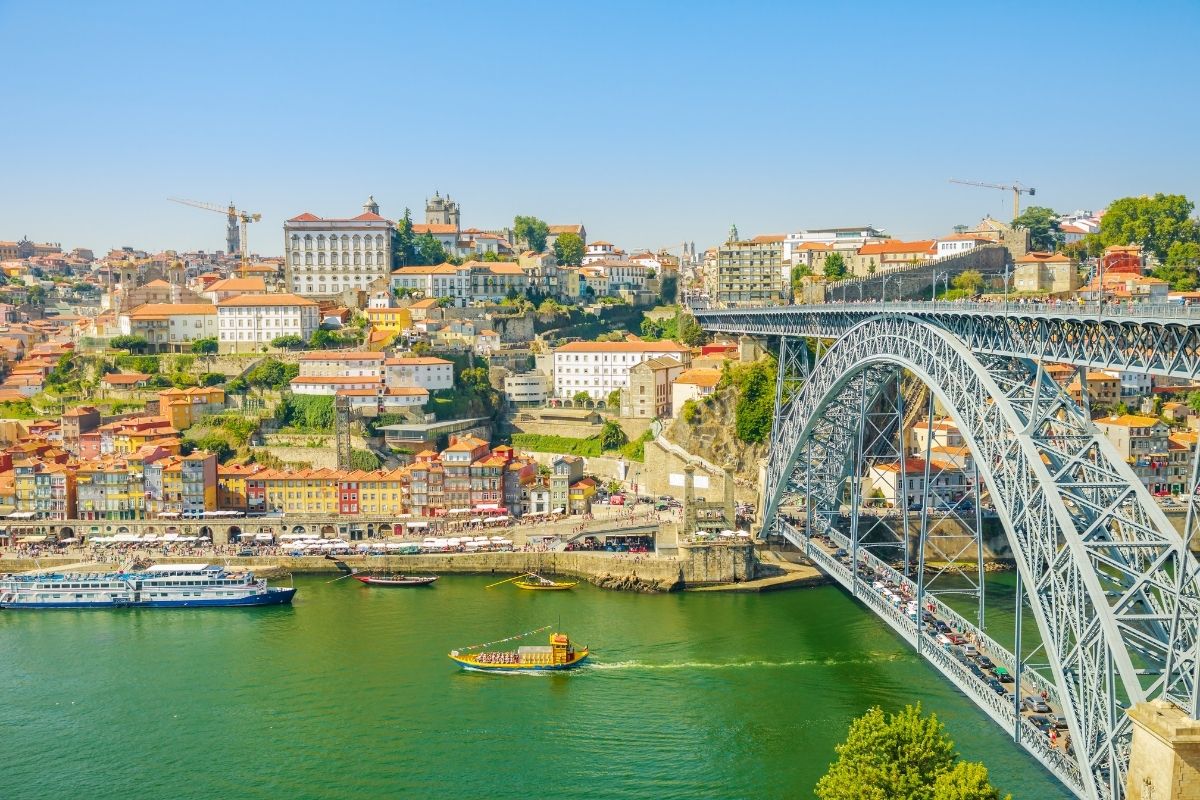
{"x":1005,"y":709}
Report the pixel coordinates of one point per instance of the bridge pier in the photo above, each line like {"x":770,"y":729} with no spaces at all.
{"x":1164,"y":760}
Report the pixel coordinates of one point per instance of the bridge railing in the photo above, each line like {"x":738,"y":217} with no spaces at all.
{"x":1093,"y":309}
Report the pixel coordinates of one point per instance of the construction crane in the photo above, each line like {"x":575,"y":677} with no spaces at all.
{"x":235,"y":241}
{"x":1016,"y":188}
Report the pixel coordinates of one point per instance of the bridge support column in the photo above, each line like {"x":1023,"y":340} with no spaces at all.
{"x":1164,"y":761}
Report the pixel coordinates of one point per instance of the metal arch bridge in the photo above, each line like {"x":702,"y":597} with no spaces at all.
{"x":1111,"y":585}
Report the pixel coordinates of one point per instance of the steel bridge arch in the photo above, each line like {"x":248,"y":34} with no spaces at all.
{"x":1098,"y":558}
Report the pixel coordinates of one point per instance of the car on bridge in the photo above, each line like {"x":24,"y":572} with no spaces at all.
{"x":1057,"y":722}
{"x":996,"y":686}
{"x":1035,"y":704}
{"x":985,"y":662}
{"x":1041,"y":723}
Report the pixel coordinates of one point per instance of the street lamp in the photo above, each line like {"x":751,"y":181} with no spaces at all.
{"x":884,"y":296}
{"x":1007,"y":272}
{"x":936,"y":277}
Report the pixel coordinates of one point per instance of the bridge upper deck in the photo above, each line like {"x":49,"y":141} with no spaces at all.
{"x":1160,"y":339}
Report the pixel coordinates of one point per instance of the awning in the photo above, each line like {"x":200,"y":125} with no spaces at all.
{"x":558,"y":510}
{"x":21,"y":515}
{"x":417,"y":524}
{"x":263,"y":537}
{"x":31,"y":539}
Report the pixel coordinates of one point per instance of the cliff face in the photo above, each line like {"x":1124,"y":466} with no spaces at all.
{"x":712,"y":436}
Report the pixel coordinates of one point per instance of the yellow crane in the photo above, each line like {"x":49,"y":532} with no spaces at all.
{"x":236,"y":241}
{"x":1016,"y":188}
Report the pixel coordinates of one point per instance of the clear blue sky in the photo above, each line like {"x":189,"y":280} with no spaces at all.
{"x":650,"y":122}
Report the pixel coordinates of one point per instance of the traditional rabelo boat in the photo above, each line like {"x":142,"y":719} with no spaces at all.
{"x":560,"y":654}
{"x":396,"y":580}
{"x":531,"y":580}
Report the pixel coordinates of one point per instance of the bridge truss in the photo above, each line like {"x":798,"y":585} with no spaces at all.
{"x":1112,"y":587}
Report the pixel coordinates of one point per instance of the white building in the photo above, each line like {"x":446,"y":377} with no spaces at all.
{"x":621,"y":274}
{"x":255,"y":319}
{"x":958,"y":243}
{"x":328,"y":256}
{"x":231,"y":287}
{"x":908,"y":490}
{"x":343,"y":365}
{"x":600,"y":367}
{"x":425,"y":372}
{"x":526,"y":388}
{"x":693,"y":384}
{"x":164,"y":324}
{"x":474,"y":281}
{"x":331,"y":385}
{"x":600,"y":251}
{"x":844,"y":240}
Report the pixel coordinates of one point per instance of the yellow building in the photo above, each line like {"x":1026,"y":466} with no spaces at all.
{"x":232,"y":494}
{"x":183,"y":408}
{"x":392,"y":320}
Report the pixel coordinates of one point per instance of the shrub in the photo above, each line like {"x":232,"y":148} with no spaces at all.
{"x":566,"y":445}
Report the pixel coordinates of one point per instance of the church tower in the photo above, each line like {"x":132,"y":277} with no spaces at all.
{"x":442,"y":211}
{"x":371,"y":207}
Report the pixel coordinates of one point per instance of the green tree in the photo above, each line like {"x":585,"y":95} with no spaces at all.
{"x":835,"y":267}
{"x":670,"y":288}
{"x":129,"y":343}
{"x":364,"y":460}
{"x":690,"y":332}
{"x":971,"y":281}
{"x":289,"y":342}
{"x":271,"y":373}
{"x":612,"y":437}
{"x":906,"y":756}
{"x":36,"y":295}
{"x":690,"y":411}
{"x":533,"y":231}
{"x":429,"y":251}
{"x":755,"y":405}
{"x":1193,"y":401}
{"x":1042,"y":223}
{"x":206,"y":346}
{"x":799,"y":273}
{"x":568,"y":249}
{"x":1155,"y":222}
{"x":212,"y":379}
{"x":581,"y":397}
{"x":1180,"y":269}
{"x":404,"y":244}
{"x":614,"y":399}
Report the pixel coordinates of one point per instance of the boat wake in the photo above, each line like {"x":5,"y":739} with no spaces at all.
{"x":695,"y":665}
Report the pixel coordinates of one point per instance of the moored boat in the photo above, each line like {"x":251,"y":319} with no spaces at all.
{"x":559,"y":655}
{"x":157,"y":586}
{"x":396,"y":580}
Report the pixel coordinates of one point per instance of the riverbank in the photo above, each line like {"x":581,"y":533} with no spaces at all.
{"x":689,"y":567}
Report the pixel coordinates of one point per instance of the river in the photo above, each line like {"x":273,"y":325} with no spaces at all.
{"x":349,"y":695}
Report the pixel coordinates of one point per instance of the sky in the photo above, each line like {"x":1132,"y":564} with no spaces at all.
{"x":651,"y":122}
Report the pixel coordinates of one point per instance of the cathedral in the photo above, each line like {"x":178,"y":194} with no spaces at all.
{"x":441,"y":211}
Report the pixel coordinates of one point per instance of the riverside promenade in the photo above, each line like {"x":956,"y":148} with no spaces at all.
{"x":688,"y":566}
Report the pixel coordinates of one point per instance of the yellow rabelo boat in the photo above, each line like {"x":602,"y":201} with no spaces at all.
{"x":537,"y":582}
{"x":560,"y":654}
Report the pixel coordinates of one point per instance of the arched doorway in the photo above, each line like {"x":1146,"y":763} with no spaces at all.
{"x":385,"y":530}
{"x":233,"y":533}
{"x":328,"y":532}
{"x":298,"y":529}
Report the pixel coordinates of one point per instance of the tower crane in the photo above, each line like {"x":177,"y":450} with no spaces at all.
{"x":235,"y":241}
{"x":1016,"y":189}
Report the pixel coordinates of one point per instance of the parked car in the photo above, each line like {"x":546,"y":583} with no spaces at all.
{"x":956,"y":638}
{"x":1041,"y":723}
{"x":970,"y":650}
{"x":996,"y":686}
{"x":985,"y":662}
{"x":245,"y":551}
{"x":941,"y":626}
{"x":1057,"y":722}
{"x":1004,"y":677}
{"x":1034,"y":704}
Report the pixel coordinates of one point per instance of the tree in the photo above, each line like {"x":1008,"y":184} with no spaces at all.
{"x":670,"y":288}
{"x":129,"y":343}
{"x":835,"y":267}
{"x":429,"y":251}
{"x":971,"y":281}
{"x":1042,"y":223}
{"x":568,"y":249}
{"x":1155,"y":222}
{"x":404,"y":245}
{"x":614,"y":399}
{"x":1193,"y":401}
{"x":906,"y":756}
{"x":1180,"y":269}
{"x":205,"y":347}
{"x":289,"y":342}
{"x":533,"y":231}
{"x":212,"y":379}
{"x":755,"y":405}
{"x":35,"y":296}
{"x":581,"y":397}
{"x":271,"y":373}
{"x":612,"y":437}
{"x":364,"y":460}
{"x":799,"y":273}
{"x":690,"y":332}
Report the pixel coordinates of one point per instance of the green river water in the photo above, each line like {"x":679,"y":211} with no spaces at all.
{"x":348,"y":694}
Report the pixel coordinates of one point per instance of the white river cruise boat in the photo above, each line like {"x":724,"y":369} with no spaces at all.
{"x":159,"y":586}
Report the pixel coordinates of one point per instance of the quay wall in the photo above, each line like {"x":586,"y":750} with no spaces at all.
{"x":693,"y":565}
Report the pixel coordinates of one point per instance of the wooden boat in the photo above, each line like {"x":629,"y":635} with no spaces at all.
{"x":559,"y":655}
{"x":396,"y":580}
{"x":538,"y":583}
